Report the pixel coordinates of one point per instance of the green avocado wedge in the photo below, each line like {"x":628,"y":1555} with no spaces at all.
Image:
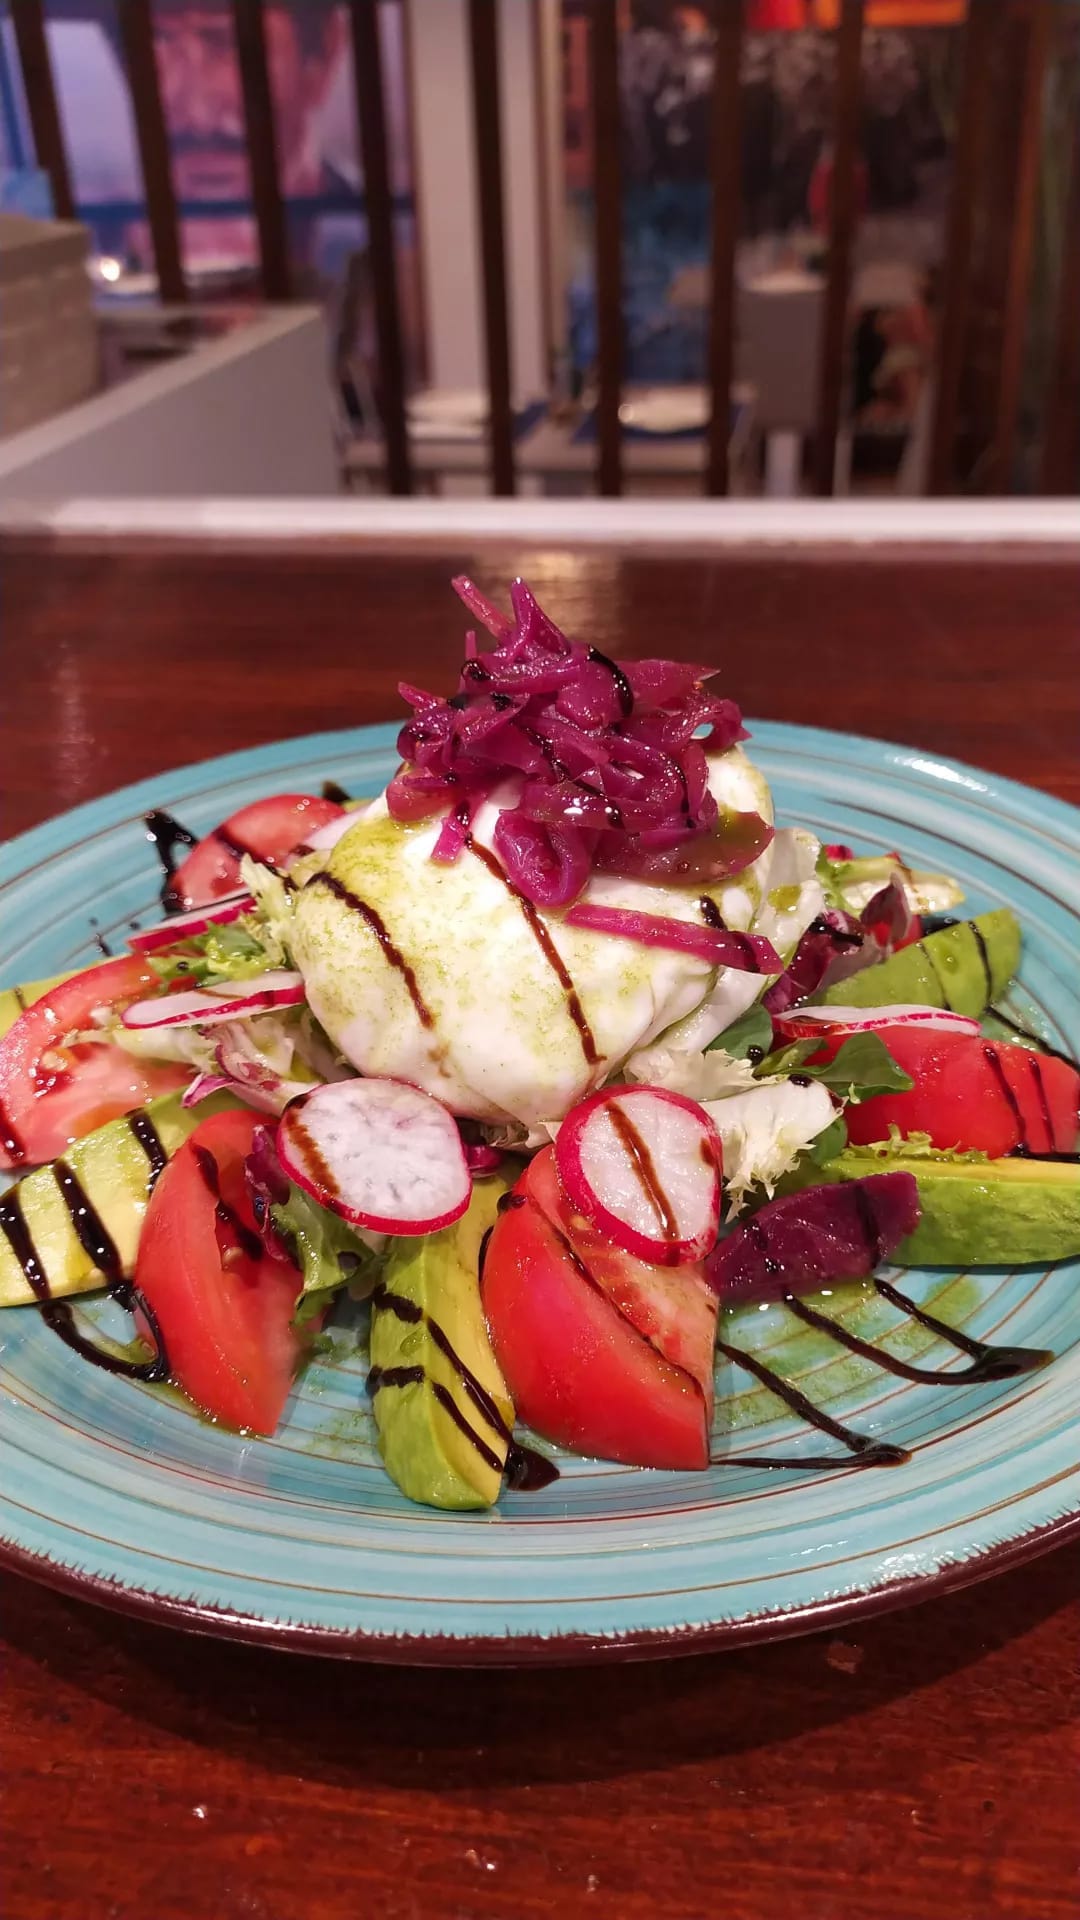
{"x":964,"y":967}
{"x":15,"y":1000}
{"x":116,"y":1167}
{"x":441,"y":1405}
{"x":975,"y":1213}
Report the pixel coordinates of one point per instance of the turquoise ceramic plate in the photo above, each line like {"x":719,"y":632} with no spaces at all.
{"x":114,"y":1491}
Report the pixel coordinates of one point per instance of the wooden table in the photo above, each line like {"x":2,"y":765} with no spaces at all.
{"x":918,"y":1767}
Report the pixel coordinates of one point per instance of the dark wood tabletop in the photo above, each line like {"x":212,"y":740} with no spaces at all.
{"x":919,"y":1766}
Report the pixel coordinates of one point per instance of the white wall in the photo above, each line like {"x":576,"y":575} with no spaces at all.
{"x":245,"y":416}
{"x":447,"y":199}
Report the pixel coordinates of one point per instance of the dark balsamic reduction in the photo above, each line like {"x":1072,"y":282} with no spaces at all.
{"x":547,"y":947}
{"x":713,"y":918}
{"x":233,"y":1232}
{"x":644,"y":1166}
{"x":1005,"y":1090}
{"x":167,"y":834}
{"x":393,"y":953}
{"x":527,"y":1471}
{"x":864,"y":1451}
{"x":1025,"y":1033}
{"x":984,"y":956}
{"x":412,"y":1314}
{"x":624,"y":692}
{"x":99,"y":1246}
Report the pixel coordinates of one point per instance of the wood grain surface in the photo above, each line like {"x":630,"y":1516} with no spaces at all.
{"x":921,"y":1766}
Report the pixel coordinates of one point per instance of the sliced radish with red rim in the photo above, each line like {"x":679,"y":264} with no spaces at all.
{"x":205,"y":1006}
{"x":644,"y":1164}
{"x":185,"y":926}
{"x":379,"y":1152}
{"x":323,"y":838}
{"x":806,"y":1023}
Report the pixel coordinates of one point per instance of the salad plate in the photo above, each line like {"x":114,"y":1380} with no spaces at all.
{"x":111,"y":1489}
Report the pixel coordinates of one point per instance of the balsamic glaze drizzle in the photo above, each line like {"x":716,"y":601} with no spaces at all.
{"x":547,"y":947}
{"x":624,"y":692}
{"x":99,"y":1246}
{"x":713,"y":918}
{"x":167,"y":834}
{"x":644,"y":1166}
{"x":393,"y":953}
{"x":412,"y":1314}
{"x":1025,"y":1033}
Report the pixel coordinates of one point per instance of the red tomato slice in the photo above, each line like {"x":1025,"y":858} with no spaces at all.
{"x":51,"y":1094}
{"x":270,"y":829}
{"x":602,"y":1353}
{"x":971,"y":1092}
{"x":224,"y":1306}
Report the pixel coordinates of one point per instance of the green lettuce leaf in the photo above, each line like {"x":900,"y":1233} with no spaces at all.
{"x":239,"y":951}
{"x":328,"y":1252}
{"x":861,"y":1067}
{"x":751,"y":1029}
{"x":914,"y":1146}
{"x":828,"y":1144}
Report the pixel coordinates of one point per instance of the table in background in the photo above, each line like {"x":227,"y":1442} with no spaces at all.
{"x":919,"y":1767}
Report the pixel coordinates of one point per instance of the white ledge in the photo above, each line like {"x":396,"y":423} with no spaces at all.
{"x":610,"y":523}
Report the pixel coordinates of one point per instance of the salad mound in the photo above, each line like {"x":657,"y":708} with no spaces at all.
{"x":554,"y":1053}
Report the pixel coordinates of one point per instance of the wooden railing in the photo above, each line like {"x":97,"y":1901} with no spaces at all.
{"x":1007,"y":45}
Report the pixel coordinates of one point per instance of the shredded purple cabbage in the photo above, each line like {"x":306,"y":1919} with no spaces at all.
{"x":611,"y":758}
{"x":808,"y":1239}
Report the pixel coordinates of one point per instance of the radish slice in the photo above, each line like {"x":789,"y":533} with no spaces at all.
{"x":803,"y":1022}
{"x":328,"y":836}
{"x":184,"y":926}
{"x":379,"y":1152}
{"x":205,"y":1007}
{"x":644,"y":1165}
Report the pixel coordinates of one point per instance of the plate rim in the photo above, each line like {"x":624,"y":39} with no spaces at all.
{"x":23,"y":853}
{"x":531,"y":1649}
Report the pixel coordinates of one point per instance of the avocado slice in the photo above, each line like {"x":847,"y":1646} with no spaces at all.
{"x":963,"y":967}
{"x":15,"y":1000}
{"x":982,"y":1212}
{"x":116,"y":1167}
{"x":441,"y":1405}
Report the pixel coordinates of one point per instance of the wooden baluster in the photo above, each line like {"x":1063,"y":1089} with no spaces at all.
{"x":484,"y":60}
{"x":843,"y":216}
{"x":1061,"y":442}
{"x":726,"y":203}
{"x":28,"y":20}
{"x":137,"y":36}
{"x":248,"y":27}
{"x":607,"y":195}
{"x":969,"y":153}
{"x":998,"y":468}
{"x":371,"y":123}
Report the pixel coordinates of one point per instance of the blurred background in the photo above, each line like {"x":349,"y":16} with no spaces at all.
{"x":539,"y":246}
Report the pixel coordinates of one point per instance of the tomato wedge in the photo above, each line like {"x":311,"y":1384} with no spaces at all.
{"x":52,"y":1093}
{"x":971,"y":1092}
{"x":224,"y":1305}
{"x":269,"y":829}
{"x":602,"y":1353}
